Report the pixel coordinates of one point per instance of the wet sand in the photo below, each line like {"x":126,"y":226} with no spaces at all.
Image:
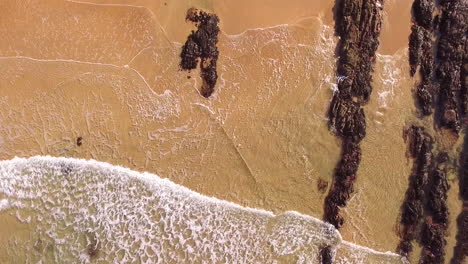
{"x":109,"y":73}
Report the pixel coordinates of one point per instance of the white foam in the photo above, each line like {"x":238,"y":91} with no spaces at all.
{"x":4,"y":204}
{"x":134,"y":216}
{"x":390,"y":76}
{"x":75,"y":205}
{"x":349,"y":253}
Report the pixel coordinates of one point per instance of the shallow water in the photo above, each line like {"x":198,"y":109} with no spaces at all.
{"x":88,"y":211}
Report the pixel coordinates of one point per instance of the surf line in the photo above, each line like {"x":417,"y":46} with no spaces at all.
{"x":358,"y":23}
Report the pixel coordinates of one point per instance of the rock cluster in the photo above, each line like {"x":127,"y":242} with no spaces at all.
{"x":200,"y":47}
{"x":451,"y":55}
{"x":358,"y":23}
{"x":442,"y":68}
{"x":461,"y":248}
{"x":436,"y":221}
{"x":452,"y":107}
{"x":421,"y":54}
{"x":420,"y":149}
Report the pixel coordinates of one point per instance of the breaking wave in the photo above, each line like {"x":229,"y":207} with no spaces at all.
{"x":84,"y":210}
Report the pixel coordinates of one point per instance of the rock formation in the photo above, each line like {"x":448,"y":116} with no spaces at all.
{"x":358,"y":24}
{"x":420,"y":150}
{"x":200,"y":47}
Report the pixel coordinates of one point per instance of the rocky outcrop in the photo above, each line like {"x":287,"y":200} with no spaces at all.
{"x":437,"y":216}
{"x":358,"y":23}
{"x":200,"y":48}
{"x":443,"y":87}
{"x":344,"y":177}
{"x":326,"y":255}
{"x":412,"y":211}
{"x":464,"y":85}
{"x":453,"y":28}
{"x":452,"y":106}
{"x":347,"y":118}
{"x":421,"y":52}
{"x":461,"y":248}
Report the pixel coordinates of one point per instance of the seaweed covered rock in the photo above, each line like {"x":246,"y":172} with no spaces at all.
{"x":326,"y":255}
{"x":451,"y":53}
{"x":464,"y":84}
{"x":421,"y":53}
{"x":415,"y":47}
{"x":461,"y":248}
{"x":432,"y":237}
{"x":435,"y":227}
{"x":344,"y":177}
{"x":412,"y":209}
{"x":425,"y":97}
{"x":422,"y":13}
{"x":200,"y":47}
{"x":347,"y":118}
{"x":358,"y":24}
{"x":437,"y":196}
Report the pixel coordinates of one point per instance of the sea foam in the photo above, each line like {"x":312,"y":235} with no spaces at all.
{"x":82,"y":211}
{"x":88,"y":209}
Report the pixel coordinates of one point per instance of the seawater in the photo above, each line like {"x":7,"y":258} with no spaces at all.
{"x":85,"y":211}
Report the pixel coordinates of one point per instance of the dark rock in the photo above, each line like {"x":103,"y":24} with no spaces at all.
{"x":412,"y":209}
{"x":461,"y":248}
{"x":332,"y":213}
{"x":93,"y":246}
{"x":414,"y":47}
{"x":201,"y":47}
{"x":435,"y":227}
{"x":425,"y":97}
{"x":326,"y":255}
{"x":421,"y":54}
{"x":347,"y":118}
{"x":344,"y":177}
{"x":464,"y":85}
{"x":190,"y":54}
{"x":79,"y":141}
{"x":358,"y":23}
{"x":451,"y":55}
{"x":322,"y":185}
{"x":422,"y":13}
{"x":433,"y":241}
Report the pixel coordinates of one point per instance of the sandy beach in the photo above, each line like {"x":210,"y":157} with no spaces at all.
{"x":108,"y":72}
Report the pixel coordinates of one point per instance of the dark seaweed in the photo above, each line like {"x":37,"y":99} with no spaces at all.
{"x":451,"y":54}
{"x":344,"y":177}
{"x":412,"y":210}
{"x":358,"y":23}
{"x":201,"y":47}
{"x":421,"y":48}
{"x":435,"y":227}
{"x":461,"y":248}
{"x":93,"y":246}
{"x":322,"y":185}
{"x":326,"y":255}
